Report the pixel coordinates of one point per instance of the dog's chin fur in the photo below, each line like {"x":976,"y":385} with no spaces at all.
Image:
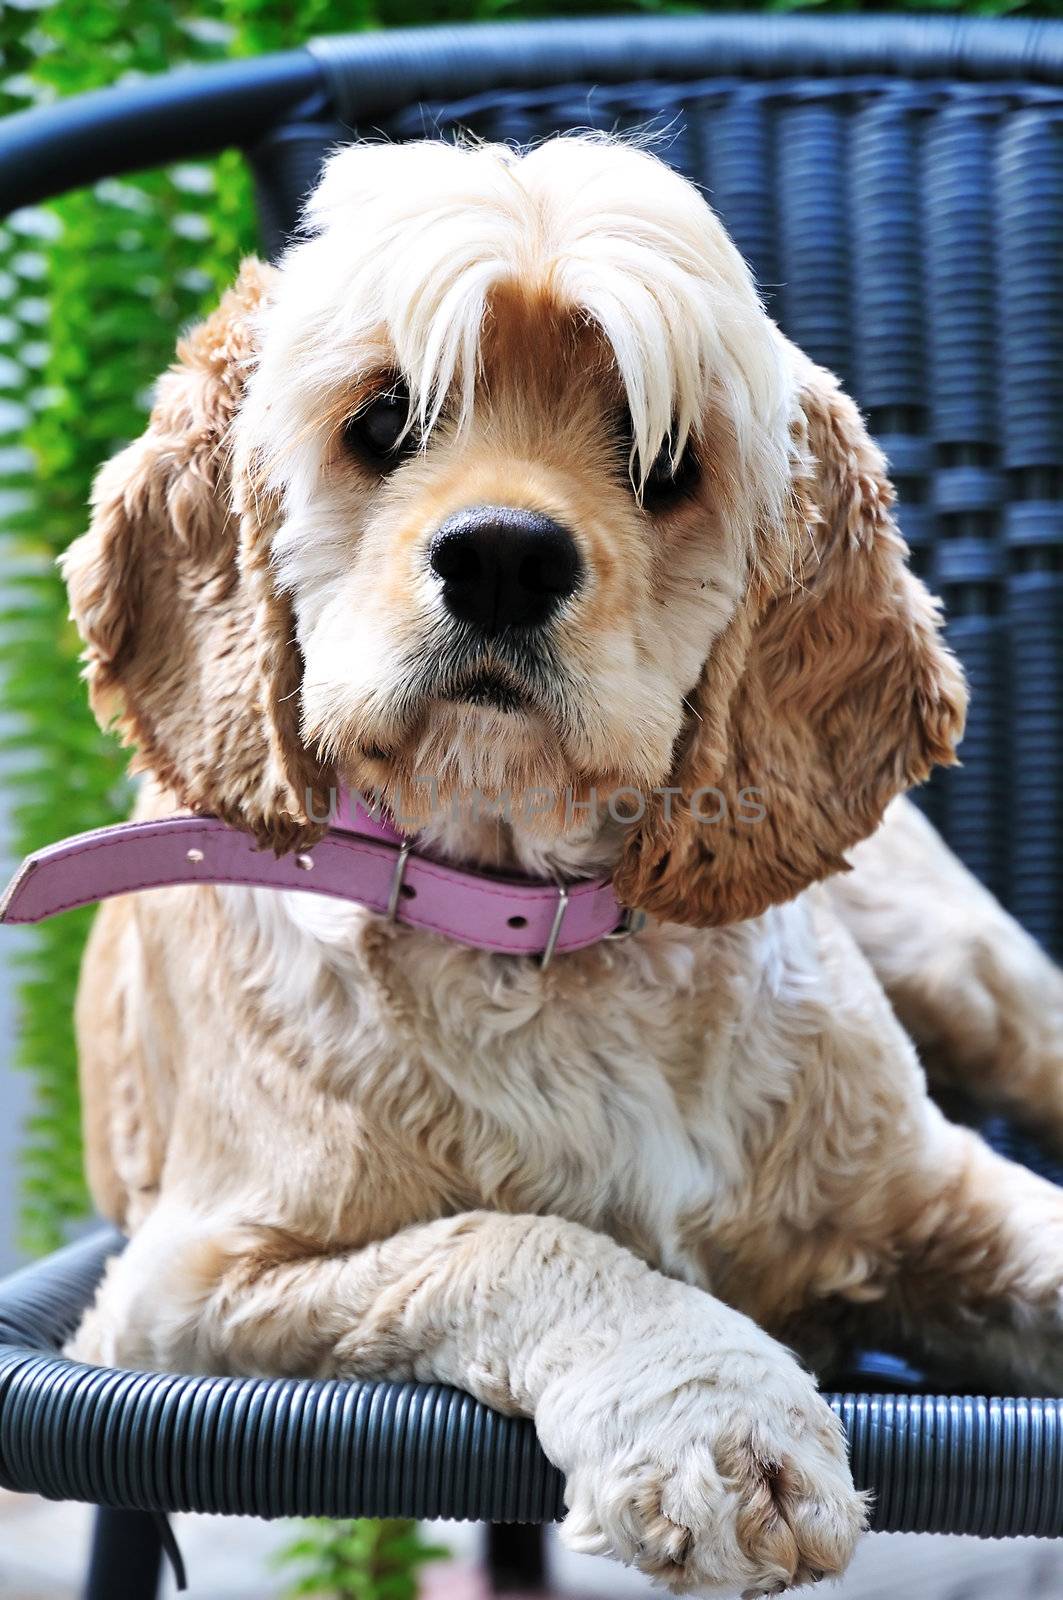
{"x":497,"y":788}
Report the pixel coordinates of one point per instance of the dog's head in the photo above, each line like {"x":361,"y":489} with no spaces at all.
{"x":504,"y":485}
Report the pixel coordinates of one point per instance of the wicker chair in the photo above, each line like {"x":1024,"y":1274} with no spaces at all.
{"x":897,"y":185}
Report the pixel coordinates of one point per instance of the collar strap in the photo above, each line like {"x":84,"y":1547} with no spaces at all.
{"x":361,"y":859}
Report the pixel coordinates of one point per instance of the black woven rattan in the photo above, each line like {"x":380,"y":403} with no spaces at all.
{"x":270,"y":1448}
{"x":897,"y":185}
{"x":243,"y":1446}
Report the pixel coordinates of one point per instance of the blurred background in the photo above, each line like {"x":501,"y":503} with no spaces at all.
{"x":93,"y":289}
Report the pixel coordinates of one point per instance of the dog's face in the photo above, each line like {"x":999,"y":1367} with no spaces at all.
{"x":523,"y":421}
{"x":528,"y":498}
{"x":494,"y":606}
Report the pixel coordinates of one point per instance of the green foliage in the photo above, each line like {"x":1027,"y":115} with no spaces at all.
{"x":98,"y":284}
{"x":358,"y":1560}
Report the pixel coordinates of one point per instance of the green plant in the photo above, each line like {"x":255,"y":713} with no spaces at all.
{"x":369,"y":1560}
{"x":102,"y":278}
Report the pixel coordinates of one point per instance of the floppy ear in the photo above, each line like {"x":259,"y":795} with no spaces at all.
{"x":190,"y":650}
{"x":829,"y":693}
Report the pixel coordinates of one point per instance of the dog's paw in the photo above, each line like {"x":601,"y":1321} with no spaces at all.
{"x":761,"y":1513}
{"x":726,"y":1479}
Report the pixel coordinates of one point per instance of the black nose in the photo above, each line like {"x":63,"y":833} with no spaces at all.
{"x":503,"y":567}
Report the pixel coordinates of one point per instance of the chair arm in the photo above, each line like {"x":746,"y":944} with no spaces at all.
{"x":176,"y":116}
{"x":372,"y":74}
{"x":242,"y":1446}
{"x":291,"y":1447}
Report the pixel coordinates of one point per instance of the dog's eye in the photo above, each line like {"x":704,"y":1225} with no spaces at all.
{"x":665,"y":484}
{"x":662,"y":486}
{"x":377,"y":431}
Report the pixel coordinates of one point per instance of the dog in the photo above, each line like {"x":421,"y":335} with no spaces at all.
{"x":616,"y":1193}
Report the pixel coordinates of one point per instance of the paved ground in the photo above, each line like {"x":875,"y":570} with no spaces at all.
{"x":42,"y":1555}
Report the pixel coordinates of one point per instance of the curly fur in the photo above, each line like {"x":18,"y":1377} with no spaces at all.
{"x":601,"y":1194}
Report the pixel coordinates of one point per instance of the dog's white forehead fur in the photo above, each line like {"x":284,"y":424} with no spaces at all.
{"x":406,"y":243}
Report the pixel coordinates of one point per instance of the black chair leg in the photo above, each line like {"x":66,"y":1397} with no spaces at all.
{"x":516,"y":1557}
{"x":126,"y":1556}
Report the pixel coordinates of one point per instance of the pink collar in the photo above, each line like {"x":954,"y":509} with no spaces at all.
{"x":362,"y":859}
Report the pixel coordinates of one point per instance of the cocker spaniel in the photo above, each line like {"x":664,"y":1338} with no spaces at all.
{"x":503,"y":479}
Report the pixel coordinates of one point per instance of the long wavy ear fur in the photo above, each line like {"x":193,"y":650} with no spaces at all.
{"x":829,"y":693}
{"x":189,"y":648}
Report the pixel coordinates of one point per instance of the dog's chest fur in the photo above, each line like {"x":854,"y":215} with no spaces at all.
{"x":624,"y":1088}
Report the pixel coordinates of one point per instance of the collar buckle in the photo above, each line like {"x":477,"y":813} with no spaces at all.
{"x":633,"y":921}
{"x":397,"y":877}
{"x":555,"y":927}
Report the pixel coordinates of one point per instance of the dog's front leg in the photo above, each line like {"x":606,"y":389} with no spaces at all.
{"x":694,"y":1446}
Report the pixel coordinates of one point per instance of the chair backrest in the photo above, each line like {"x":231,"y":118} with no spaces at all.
{"x":897,"y":186}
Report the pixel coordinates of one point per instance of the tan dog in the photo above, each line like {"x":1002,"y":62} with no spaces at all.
{"x":598,"y":1194}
